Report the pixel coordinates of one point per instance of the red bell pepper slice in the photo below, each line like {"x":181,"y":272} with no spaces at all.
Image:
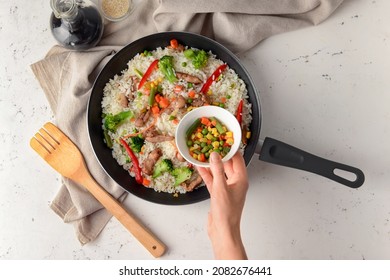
{"x":239,"y":111}
{"x":212,"y":78}
{"x":148,"y":72}
{"x":134,"y":159}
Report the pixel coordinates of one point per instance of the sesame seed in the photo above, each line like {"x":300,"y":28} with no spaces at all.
{"x":115,"y":8}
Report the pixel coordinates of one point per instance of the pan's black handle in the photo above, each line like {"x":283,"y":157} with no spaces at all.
{"x":280,"y":153}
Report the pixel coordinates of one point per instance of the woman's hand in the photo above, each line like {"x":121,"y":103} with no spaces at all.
{"x":227,"y":184}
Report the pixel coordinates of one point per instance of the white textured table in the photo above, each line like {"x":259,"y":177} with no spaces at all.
{"x":325,"y":89}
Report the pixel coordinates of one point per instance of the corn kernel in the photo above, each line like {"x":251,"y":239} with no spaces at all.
{"x":214,"y":130}
{"x":229,"y":134}
{"x":215,"y":144}
{"x":199,"y":135}
{"x":209,"y":92}
{"x":248,"y":135}
{"x":195,"y":156}
{"x":230,"y":141}
{"x":203,"y":140}
{"x":190,"y":108}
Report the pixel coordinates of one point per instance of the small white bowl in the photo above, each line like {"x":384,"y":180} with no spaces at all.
{"x":116,"y":10}
{"x":224,"y":116}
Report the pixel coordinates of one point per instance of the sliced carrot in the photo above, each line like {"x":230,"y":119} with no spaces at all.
{"x":178,"y":88}
{"x":155,"y":110}
{"x":145,"y":182}
{"x":157,"y":97}
{"x":164,"y":102}
{"x":202,"y":157}
{"x":191,"y":94}
{"x":223,"y":99}
{"x":174,"y":43}
{"x":205,"y":121}
{"x":175,"y":121}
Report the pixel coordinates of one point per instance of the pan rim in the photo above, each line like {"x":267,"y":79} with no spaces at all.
{"x":252,"y":95}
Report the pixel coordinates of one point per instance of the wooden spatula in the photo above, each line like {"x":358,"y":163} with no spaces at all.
{"x":64,"y":156}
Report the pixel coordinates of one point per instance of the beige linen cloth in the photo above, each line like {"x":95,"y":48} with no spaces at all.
{"x":66,"y":77}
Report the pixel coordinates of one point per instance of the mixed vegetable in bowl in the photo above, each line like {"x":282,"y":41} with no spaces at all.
{"x":207,"y":135}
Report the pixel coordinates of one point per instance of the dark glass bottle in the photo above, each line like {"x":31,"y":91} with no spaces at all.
{"x":76,"y":24}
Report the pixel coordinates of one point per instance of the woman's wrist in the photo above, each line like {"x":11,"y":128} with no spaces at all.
{"x":228,"y":245}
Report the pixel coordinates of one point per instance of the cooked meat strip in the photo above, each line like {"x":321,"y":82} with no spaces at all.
{"x":150,"y":161}
{"x":142,"y":119}
{"x":200,"y":101}
{"x":123,"y":101}
{"x":180,"y":102}
{"x":152,"y":135}
{"x":189,"y":78}
{"x":134,"y":83}
{"x":180,"y":157}
{"x":151,"y":132}
{"x":159,"y":138}
{"x":190,"y":186}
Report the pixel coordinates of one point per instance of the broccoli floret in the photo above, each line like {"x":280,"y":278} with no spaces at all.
{"x":198,"y":57}
{"x":111,"y":122}
{"x":165,"y":65}
{"x":162,"y":166}
{"x":181,"y":174}
{"x":136,"y":143}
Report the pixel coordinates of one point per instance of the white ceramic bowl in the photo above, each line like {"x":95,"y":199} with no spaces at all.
{"x":224,"y":116}
{"x":115,"y":10}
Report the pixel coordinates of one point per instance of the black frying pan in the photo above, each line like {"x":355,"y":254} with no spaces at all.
{"x":271,"y":151}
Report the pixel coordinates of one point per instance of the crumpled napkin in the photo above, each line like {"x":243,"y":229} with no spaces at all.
{"x":66,"y":77}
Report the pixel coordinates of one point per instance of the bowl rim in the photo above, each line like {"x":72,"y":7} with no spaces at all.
{"x":223,"y":115}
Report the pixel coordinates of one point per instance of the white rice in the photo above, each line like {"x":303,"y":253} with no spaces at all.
{"x":228,"y":85}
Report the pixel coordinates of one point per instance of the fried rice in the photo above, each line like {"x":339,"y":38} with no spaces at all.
{"x":122,"y":93}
